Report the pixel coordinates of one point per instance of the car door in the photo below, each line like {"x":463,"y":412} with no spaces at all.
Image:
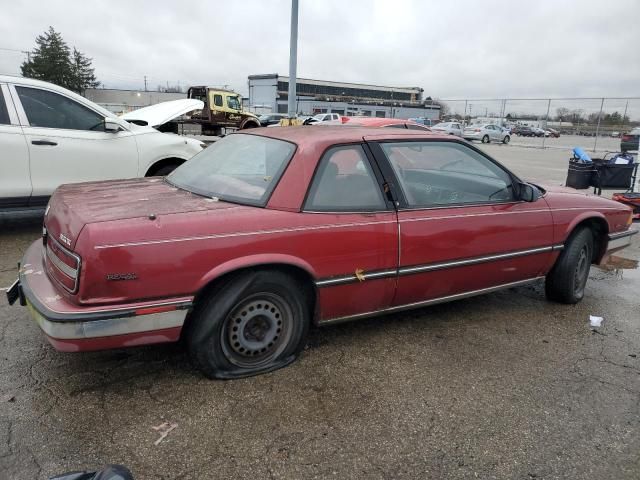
{"x":462,"y":228}
{"x":67,"y":142}
{"x":232,"y":110}
{"x":218,"y":111}
{"x":493,"y":133}
{"x":15,"y":182}
{"x":358,"y":257}
{"x":457,"y":129}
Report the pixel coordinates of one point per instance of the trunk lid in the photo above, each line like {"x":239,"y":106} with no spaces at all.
{"x":73,"y":206}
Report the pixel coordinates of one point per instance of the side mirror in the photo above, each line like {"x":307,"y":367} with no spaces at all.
{"x":110,"y":125}
{"x":528,"y":192}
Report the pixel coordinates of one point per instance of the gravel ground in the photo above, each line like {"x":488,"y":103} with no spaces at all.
{"x":505,"y":385}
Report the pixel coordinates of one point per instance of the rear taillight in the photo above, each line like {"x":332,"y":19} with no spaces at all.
{"x":626,"y":138}
{"x":478,"y":130}
{"x":62,"y":265}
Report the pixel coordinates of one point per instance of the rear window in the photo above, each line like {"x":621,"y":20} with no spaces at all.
{"x":239,"y":168}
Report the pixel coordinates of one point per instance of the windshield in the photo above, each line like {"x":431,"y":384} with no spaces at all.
{"x":233,"y":103}
{"x":319,"y":117}
{"x":239,"y":168}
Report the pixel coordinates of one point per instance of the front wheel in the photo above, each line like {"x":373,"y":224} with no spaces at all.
{"x":485,"y":139}
{"x":566,"y":281}
{"x":506,"y":139}
{"x":254,"y":323}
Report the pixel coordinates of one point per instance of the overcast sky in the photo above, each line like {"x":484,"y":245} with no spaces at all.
{"x":453,"y":49}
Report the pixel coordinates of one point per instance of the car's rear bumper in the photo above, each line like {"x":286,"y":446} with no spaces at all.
{"x":73,"y":328}
{"x":472,"y":136}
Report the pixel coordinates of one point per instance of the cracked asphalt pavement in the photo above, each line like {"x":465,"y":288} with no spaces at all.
{"x":505,"y":385}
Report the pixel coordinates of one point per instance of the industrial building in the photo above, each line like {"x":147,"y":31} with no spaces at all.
{"x":270,"y":92}
{"x":123,"y":101}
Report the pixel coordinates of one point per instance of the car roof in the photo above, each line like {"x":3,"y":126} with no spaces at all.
{"x":378,"y":122}
{"x":308,"y":135}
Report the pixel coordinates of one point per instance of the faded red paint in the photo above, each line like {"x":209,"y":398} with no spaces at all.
{"x":176,"y":242}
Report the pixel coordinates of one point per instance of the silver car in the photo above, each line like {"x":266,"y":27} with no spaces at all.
{"x":452,"y":128}
{"x":486,"y":133}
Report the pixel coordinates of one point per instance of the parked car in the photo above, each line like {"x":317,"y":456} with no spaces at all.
{"x":267,"y":231}
{"x":322,"y":117}
{"x":50,"y":136}
{"x":486,"y":133}
{"x":451,"y":128}
{"x":629,"y":141}
{"x":271,"y":119}
{"x":538,"y":132}
{"x":523,"y":131}
{"x":550,"y":132}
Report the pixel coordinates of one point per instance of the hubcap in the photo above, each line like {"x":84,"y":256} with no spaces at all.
{"x":582,"y":271}
{"x":257,"y":330}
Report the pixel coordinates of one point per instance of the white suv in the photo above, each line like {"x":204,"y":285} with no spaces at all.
{"x":50,"y":136}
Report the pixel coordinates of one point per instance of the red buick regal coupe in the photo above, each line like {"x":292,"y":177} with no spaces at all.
{"x":240,"y":249}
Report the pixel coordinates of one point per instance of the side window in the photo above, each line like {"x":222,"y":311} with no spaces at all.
{"x":396,"y":125}
{"x":4,"y":113}
{"x":344,"y":181}
{"x":446,"y":173}
{"x":217,"y":100}
{"x":51,"y":110}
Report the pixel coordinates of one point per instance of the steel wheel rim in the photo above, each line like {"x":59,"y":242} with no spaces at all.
{"x":582,"y":271}
{"x":257,"y":330}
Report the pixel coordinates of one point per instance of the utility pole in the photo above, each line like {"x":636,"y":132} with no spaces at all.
{"x":145,"y":83}
{"x":293,"y":60}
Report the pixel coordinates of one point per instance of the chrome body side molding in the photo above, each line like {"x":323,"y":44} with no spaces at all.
{"x":377,"y":274}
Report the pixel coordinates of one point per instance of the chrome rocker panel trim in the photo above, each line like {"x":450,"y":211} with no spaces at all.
{"x":433,"y":301}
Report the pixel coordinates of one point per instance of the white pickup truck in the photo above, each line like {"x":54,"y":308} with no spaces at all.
{"x":50,"y":136}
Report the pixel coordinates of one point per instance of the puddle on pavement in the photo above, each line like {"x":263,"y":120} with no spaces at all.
{"x":621,"y":267}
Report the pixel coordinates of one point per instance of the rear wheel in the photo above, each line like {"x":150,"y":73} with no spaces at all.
{"x":486,"y":139}
{"x":254,"y":323}
{"x":566,"y":282}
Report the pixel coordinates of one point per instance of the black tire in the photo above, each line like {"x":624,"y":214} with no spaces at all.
{"x":254,"y":323}
{"x":486,"y":139}
{"x":164,"y":171}
{"x":566,"y":281}
{"x":506,"y":139}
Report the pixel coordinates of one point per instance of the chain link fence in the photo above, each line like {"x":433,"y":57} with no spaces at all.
{"x":593,"y":123}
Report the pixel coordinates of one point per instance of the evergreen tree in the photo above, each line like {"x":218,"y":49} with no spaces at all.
{"x":83,"y":73}
{"x":53,"y":61}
